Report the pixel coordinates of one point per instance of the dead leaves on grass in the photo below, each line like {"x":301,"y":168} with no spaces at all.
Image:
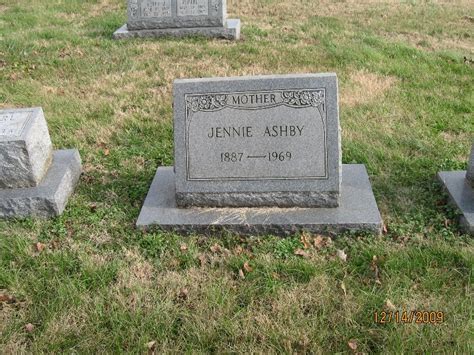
{"x":312,"y":243}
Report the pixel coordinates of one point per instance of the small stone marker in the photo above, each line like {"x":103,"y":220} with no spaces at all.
{"x":178,"y":18}
{"x":460,"y":188}
{"x":260,"y":155}
{"x":34,"y":180}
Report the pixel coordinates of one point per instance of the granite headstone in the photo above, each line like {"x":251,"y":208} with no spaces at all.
{"x":34,"y":180}
{"x":252,"y":142}
{"x":156,"y":18}
{"x":260,"y":155}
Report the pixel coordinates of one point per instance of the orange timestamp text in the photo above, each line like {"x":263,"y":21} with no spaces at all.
{"x":406,"y":317}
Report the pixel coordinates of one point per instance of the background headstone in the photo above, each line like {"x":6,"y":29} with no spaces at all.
{"x":34,"y":180}
{"x":153,"y":14}
{"x":178,"y":18}
{"x":259,"y":155}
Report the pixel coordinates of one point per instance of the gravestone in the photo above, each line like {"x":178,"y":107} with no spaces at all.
{"x":34,"y":179}
{"x":259,"y":155}
{"x":178,"y":18}
{"x":460,"y":187}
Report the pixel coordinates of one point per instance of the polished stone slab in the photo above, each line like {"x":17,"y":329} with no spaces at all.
{"x":230,"y":31}
{"x":461,"y":195}
{"x":257,"y":141}
{"x":357,"y":211}
{"x":50,"y":197}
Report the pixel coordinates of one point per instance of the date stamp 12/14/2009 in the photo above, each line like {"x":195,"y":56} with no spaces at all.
{"x":409,"y":317}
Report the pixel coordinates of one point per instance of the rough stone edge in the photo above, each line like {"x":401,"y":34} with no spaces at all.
{"x":306,"y":199}
{"x":43,"y":201}
{"x":231,"y":32}
{"x":470,"y":167}
{"x":460,"y":183}
{"x":248,"y":230}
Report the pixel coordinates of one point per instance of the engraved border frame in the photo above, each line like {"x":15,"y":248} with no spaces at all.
{"x":323,"y":117}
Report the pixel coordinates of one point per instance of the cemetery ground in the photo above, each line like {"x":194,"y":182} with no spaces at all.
{"x":88,"y":281}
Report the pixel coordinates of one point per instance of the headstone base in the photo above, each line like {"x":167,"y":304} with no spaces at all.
{"x":357,"y":211}
{"x":461,"y":194}
{"x":230,"y":31}
{"x":50,"y":197}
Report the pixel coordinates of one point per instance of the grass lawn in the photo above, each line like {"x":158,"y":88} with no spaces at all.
{"x":88,"y":282}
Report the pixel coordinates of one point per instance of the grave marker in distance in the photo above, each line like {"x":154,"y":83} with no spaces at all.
{"x":178,"y":18}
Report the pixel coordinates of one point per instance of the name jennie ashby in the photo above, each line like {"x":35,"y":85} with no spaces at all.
{"x":248,"y":131}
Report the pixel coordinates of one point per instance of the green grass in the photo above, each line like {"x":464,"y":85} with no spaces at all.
{"x":99,"y":285}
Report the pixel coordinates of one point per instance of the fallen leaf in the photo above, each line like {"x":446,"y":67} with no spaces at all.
{"x":6,"y":298}
{"x":238,"y":250}
{"x":183,"y":247}
{"x":241,"y":274}
{"x":247,"y":267}
{"x":106,"y":152}
{"x":390,"y":305}
{"x":384,"y":229}
{"x":301,"y":252}
{"x":352,"y":344}
{"x":216,"y":248}
{"x":183,"y":294}
{"x":305,"y":241}
{"x":342,"y":255}
{"x":318,"y":242}
{"x":151,"y":346}
{"x":29,"y":327}
{"x":343,"y":287}
{"x":202,"y":259}
{"x":39,"y":247}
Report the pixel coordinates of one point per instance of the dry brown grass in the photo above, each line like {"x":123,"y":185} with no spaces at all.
{"x":364,"y":87}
